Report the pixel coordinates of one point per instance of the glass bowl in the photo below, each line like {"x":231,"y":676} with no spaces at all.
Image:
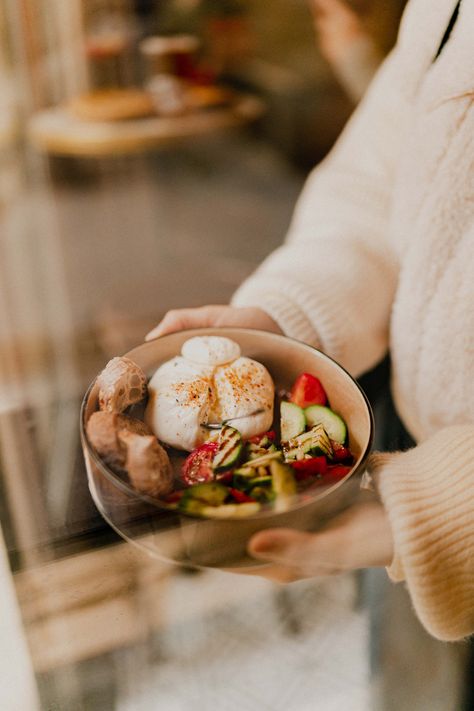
{"x":181,"y":538}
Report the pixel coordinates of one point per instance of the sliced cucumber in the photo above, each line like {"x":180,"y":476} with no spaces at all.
{"x":231,"y":510}
{"x":229,"y":449}
{"x":283,"y":485}
{"x":332,"y":423}
{"x":211,"y":494}
{"x":292,"y":420}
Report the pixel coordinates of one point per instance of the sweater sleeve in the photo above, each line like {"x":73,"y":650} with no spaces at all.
{"x":429,"y":496}
{"x":332,"y":283}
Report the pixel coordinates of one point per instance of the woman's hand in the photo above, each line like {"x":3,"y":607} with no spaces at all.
{"x":359,"y":538}
{"x":337,"y":26}
{"x":214,"y":317}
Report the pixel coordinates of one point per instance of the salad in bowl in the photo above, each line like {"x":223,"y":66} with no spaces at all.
{"x":233,"y":476}
{"x":232,"y":429}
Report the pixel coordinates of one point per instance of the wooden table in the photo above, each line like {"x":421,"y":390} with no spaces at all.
{"x":56,"y":131}
{"x":8,"y":130}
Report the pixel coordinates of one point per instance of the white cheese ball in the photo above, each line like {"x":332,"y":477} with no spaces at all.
{"x":180,"y":399}
{"x":210,"y":350}
{"x":210,"y":382}
{"x":243,"y":387}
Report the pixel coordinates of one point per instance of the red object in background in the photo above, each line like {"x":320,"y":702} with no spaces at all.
{"x":240,"y":496}
{"x":184,"y":65}
{"x":197,"y":467}
{"x":308,"y":468}
{"x":307,"y":390}
{"x":336,"y":471}
{"x":187,"y":67}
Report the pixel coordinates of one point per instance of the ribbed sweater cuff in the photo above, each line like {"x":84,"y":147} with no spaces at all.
{"x":429,"y":495}
{"x":317,"y":314}
{"x":297,"y":314}
{"x":290,"y":318}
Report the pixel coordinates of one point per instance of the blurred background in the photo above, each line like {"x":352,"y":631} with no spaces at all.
{"x":151,"y":152}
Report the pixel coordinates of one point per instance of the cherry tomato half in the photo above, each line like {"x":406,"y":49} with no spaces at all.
{"x":197,"y":467}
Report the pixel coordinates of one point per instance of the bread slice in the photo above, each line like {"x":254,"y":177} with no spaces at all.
{"x":122,"y":383}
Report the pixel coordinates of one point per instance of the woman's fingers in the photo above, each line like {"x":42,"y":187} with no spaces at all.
{"x":330,"y":8}
{"x":359,"y":538}
{"x":294,"y":554}
{"x":337,"y":25}
{"x":217,"y":316}
{"x":180,"y":320}
{"x":274,"y":573}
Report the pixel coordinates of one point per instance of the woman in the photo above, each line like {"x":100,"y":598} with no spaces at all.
{"x":380,"y":255}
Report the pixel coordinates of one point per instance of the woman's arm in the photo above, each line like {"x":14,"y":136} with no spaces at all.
{"x":332,"y":283}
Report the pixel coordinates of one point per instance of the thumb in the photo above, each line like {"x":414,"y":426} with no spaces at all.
{"x":180,"y":320}
{"x":283,"y":546}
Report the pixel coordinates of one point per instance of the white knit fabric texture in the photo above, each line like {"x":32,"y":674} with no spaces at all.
{"x":380,"y":255}
{"x":429,"y":494}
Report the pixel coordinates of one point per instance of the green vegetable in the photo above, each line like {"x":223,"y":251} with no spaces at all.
{"x":201,"y":495}
{"x":333,"y":424}
{"x":264,"y":494}
{"x":229,"y":449}
{"x":292,"y":420}
{"x":283,"y":485}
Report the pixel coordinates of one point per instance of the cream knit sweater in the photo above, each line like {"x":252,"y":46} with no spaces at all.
{"x":380,"y":254}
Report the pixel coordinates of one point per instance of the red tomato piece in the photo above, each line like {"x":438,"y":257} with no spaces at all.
{"x":337,"y":471}
{"x":307,"y":468}
{"x":340,"y":453}
{"x":240,"y":496}
{"x":258,"y":438}
{"x":197,"y":467}
{"x":307,"y":390}
{"x":225,"y":478}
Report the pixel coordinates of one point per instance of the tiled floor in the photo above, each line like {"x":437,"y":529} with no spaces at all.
{"x":303,"y":647}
